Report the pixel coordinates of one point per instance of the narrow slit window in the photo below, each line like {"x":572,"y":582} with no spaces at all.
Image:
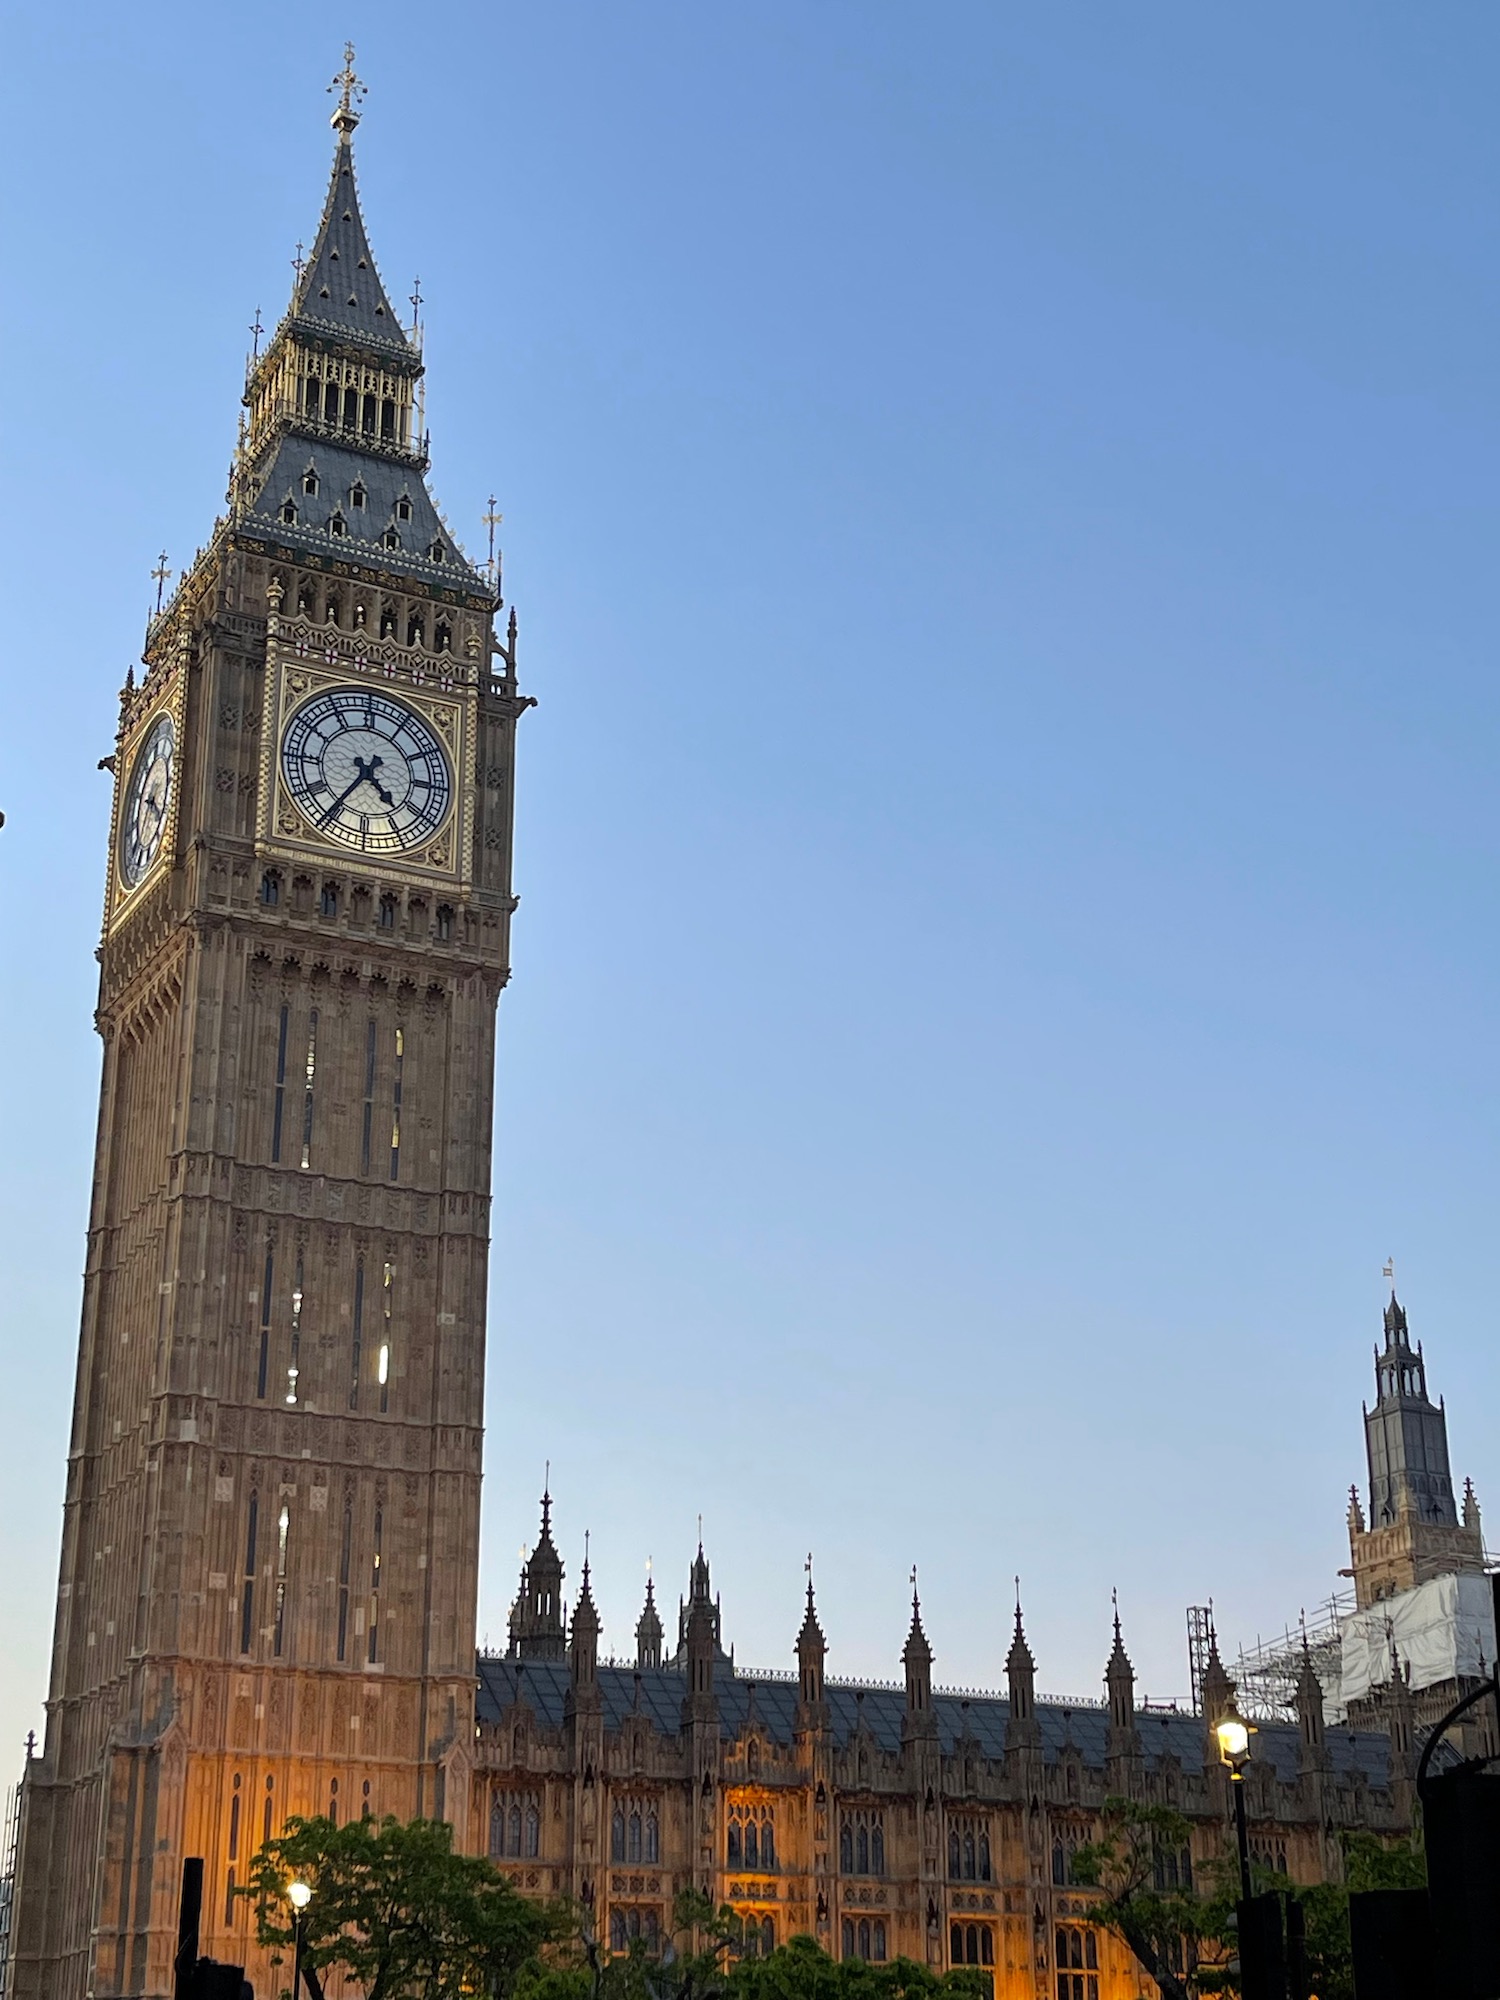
{"x":357,"y":1344}
{"x":229,"y":1909}
{"x":283,"y":1535}
{"x":294,"y":1360}
{"x":247,"y":1599}
{"x":330,"y":899}
{"x":375,"y":1589}
{"x":369,"y":1106}
{"x":307,"y":1098}
{"x":396,"y":1103}
{"x":270,"y":882}
{"x":234,"y":1826}
{"x":383,"y":1368}
{"x":265,"y":1325}
{"x":344,"y":1543}
{"x":286,"y":1014}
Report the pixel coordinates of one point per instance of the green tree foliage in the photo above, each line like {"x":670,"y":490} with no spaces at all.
{"x":397,"y":1912}
{"x":705,"y":1959}
{"x":1200,"y":1923}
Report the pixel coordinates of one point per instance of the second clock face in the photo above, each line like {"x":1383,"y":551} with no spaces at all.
{"x":366,"y":770}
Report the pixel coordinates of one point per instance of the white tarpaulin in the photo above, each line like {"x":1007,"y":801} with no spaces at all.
{"x":1442,"y":1630}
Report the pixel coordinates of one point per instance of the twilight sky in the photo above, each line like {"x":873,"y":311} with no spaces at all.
{"x":1001,"y":506}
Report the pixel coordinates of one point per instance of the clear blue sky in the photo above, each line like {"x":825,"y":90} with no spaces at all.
{"x":1001,"y":505}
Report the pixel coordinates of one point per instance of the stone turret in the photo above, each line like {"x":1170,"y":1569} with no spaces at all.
{"x":1123,"y":1743}
{"x":538,"y":1618}
{"x":1022,"y":1730}
{"x":648,"y":1632}
{"x":916,"y":1657}
{"x":812,"y":1649}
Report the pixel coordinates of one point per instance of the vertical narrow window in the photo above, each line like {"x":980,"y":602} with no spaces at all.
{"x":375,"y":1590}
{"x":280,"y":1085}
{"x":344,"y":1542}
{"x":383,"y":1370}
{"x":294,"y":1362}
{"x":307,"y":1100}
{"x":265,"y":1324}
{"x":369,"y":1114}
{"x":266,"y":1815}
{"x":357,"y":1346}
{"x":283,"y":1530}
{"x":229,"y":1895}
{"x":234,"y":1824}
{"x":333,"y":1800}
{"x":247,"y":1602}
{"x":396,"y":1103}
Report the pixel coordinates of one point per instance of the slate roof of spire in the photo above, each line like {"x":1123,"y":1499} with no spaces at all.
{"x":340,"y":292}
{"x":981,"y":1719}
{"x":339,"y":469}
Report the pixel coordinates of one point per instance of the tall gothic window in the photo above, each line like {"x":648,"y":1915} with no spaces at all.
{"x":1077,"y":1961}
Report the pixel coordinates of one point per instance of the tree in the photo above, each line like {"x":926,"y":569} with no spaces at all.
{"x":398,"y":1912}
{"x":705,"y":1958}
{"x":1163,"y":1925}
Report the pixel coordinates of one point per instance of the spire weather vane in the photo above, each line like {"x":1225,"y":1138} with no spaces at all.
{"x":161,"y":574}
{"x":351,"y":90}
{"x":256,"y":330}
{"x":298,"y":262}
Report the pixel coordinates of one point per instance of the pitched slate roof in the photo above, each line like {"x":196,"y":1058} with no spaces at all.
{"x":340,"y":292}
{"x":878,"y":1711}
{"x":339,"y":469}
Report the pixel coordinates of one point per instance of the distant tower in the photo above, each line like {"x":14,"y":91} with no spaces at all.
{"x":1414,"y":1528}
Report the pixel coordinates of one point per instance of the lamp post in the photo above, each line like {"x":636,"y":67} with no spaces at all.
{"x":299,"y":1895}
{"x":1233,"y":1733}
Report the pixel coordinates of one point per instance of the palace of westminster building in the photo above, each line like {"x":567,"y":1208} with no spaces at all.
{"x":268,"y":1580}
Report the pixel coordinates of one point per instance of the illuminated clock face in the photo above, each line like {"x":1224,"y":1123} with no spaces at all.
{"x":366,"y":770}
{"x":147,"y":800}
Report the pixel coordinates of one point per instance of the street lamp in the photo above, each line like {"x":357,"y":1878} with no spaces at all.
{"x":299,"y":1895}
{"x":1233,"y":1733}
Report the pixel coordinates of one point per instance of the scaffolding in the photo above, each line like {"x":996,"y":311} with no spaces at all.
{"x":1200,"y":1628}
{"x":1266,"y":1674}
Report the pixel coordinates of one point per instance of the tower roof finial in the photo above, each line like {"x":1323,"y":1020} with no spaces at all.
{"x":351,"y":92}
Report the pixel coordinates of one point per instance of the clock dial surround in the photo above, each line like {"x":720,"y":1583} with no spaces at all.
{"x":366,"y":770}
{"x":148,"y":799}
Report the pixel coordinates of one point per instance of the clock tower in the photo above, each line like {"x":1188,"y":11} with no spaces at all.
{"x":270,"y":1540}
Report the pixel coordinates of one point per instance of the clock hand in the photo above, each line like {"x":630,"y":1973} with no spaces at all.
{"x":367,"y":773}
{"x":352,"y":786}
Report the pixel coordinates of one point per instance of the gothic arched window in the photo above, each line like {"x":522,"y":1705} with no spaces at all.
{"x":497,"y":1828}
{"x":846,"y":1850}
{"x":768,"y":1846}
{"x":984,"y":1857}
{"x":848,"y":1938}
{"x":877,"y":1850}
{"x":862,"y":1851}
{"x":752,"y":1845}
{"x":953,"y":1857}
{"x":733,"y":1850}
{"x":653,"y":1838}
{"x":533,"y":1832}
{"x":877,"y":1942}
{"x":617,"y":1836}
{"x":1059,"y":1863}
{"x":515,"y":1830}
{"x":633,"y":1838}
{"x":969,"y":1861}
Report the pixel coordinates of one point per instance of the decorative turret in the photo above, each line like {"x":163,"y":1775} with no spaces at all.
{"x":1414,"y":1529}
{"x":1022,"y":1730}
{"x":699,"y":1624}
{"x":916,"y":1657}
{"x":1219,"y":1692}
{"x":538,"y":1628}
{"x":1311,"y":1750}
{"x":583,"y":1650}
{"x":648,"y":1632}
{"x":1119,"y":1681}
{"x":812,"y":1649}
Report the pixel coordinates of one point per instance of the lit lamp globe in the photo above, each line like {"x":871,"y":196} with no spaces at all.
{"x":299,"y":1895}
{"x":1234,"y":1741}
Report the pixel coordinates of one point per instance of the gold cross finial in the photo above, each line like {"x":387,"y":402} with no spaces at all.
{"x":161,"y":573}
{"x":351,"y":92}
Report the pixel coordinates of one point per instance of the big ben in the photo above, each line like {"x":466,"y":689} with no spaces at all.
{"x":266,"y":1602}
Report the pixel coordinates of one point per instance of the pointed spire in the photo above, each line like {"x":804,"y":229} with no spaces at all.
{"x":1219,"y":1692}
{"x":338,"y":288}
{"x":1309,"y":1701}
{"x":1119,"y":1682}
{"x":916,"y":1656}
{"x":812,"y":1649}
{"x":648,"y":1632}
{"x":1021,"y":1726}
